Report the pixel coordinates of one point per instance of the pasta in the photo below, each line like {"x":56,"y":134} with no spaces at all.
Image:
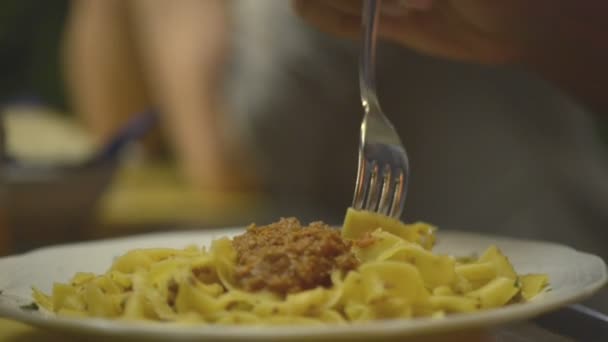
{"x":398,"y":276}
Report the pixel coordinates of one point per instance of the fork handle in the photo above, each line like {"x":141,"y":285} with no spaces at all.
{"x":367,"y":62}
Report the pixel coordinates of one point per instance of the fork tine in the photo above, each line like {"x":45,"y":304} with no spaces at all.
{"x":361,"y":185}
{"x":371,"y":203}
{"x":387,"y":195}
{"x":399,"y":196}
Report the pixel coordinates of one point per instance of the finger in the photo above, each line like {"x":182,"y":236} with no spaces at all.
{"x":352,"y":7}
{"x":401,"y":7}
{"x":328,"y":18}
{"x":441,"y":32}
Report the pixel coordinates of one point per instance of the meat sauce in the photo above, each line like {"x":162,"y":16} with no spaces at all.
{"x":286,"y":257}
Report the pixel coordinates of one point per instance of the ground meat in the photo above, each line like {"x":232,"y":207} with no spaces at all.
{"x":285,"y":257}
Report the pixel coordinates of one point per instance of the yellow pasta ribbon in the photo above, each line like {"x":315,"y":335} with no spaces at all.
{"x":399,"y":277}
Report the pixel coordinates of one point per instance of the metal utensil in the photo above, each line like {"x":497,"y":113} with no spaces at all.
{"x":383,"y":169}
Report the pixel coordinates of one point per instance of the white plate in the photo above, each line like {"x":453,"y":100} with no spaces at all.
{"x":573,"y":276}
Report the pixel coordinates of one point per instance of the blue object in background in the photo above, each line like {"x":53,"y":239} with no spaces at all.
{"x":134,"y":130}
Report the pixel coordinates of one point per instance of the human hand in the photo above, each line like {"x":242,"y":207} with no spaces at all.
{"x":562,"y":41}
{"x":489,"y":32}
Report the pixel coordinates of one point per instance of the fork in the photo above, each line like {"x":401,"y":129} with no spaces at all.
{"x":383,"y":167}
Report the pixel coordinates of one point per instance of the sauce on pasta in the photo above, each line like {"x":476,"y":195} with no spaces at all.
{"x":286,"y":257}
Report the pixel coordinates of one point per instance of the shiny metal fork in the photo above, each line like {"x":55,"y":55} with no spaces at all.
{"x":383,"y":171}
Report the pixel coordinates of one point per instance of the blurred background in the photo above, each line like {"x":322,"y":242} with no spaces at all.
{"x":257,"y":118}
{"x":31,"y":33}
{"x":47,"y":194}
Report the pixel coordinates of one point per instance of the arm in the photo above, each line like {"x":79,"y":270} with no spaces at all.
{"x":126,"y":56}
{"x":183,"y":45}
{"x":101,"y":67}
